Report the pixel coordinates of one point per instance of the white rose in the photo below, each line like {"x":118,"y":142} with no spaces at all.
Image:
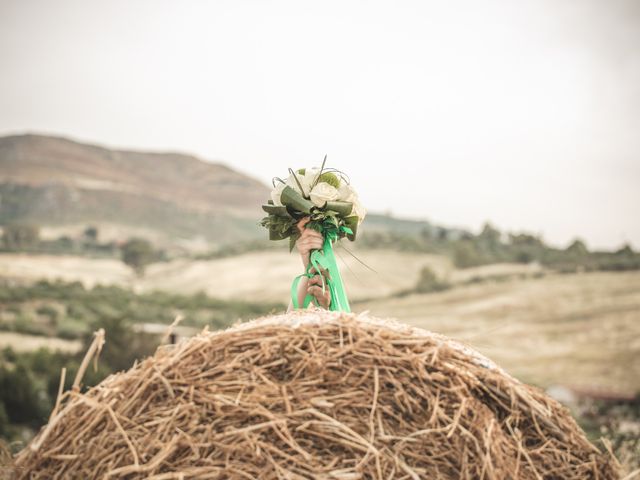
{"x":291,"y":182}
{"x":346,"y":193}
{"x":305,"y":181}
{"x":323,"y":193}
{"x":308,"y":179}
{"x":359,"y":210}
{"x":276,"y":193}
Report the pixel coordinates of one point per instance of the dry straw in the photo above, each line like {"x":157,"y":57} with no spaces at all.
{"x":313,"y":395}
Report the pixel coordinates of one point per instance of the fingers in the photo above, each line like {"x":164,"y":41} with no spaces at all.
{"x":302,"y":223}
{"x":311,"y":233}
{"x":323,"y":298}
{"x":316,"y":278}
{"x":309,"y":240}
{"x":315,"y":288}
{"x":307,"y":231}
{"x":306,"y":246}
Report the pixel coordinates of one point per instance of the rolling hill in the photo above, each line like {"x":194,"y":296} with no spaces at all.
{"x":57,"y":181}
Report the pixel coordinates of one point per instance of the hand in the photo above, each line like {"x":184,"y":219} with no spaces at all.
{"x":314,"y":288}
{"x":309,"y":240}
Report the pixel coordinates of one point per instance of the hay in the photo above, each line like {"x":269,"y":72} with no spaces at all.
{"x":313,"y":395}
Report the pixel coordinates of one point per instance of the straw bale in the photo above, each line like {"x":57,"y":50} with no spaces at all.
{"x":313,"y":395}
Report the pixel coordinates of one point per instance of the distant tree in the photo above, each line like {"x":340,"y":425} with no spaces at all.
{"x":577,"y":248}
{"x":90,"y":234}
{"x":23,"y":405}
{"x":468,"y":236}
{"x":526,"y":248}
{"x":626,"y":250}
{"x":442,"y":234}
{"x":490,"y":235}
{"x":66,"y":242}
{"x":123,"y":345}
{"x":426,"y":233}
{"x":465,"y":254}
{"x":525,"y":239}
{"x":429,"y":282}
{"x":20,"y":237}
{"x":138,"y":253}
{"x":524,"y":256}
{"x":489,"y":244}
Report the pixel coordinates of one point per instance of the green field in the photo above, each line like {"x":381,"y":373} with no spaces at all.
{"x":581,"y":330}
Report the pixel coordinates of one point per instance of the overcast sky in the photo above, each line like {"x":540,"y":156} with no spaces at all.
{"x":523,"y":113}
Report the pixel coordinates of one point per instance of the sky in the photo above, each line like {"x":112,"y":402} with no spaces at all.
{"x":525,"y":114}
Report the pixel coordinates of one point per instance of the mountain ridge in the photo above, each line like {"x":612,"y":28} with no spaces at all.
{"x":54,"y":180}
{"x":38,"y":160}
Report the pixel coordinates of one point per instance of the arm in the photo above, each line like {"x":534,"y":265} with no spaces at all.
{"x":310,"y":240}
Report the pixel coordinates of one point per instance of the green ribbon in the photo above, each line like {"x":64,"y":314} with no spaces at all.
{"x":325,"y":260}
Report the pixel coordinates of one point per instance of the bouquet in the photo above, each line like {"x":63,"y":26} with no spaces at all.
{"x":332,"y":205}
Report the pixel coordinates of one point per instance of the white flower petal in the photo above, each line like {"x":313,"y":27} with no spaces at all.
{"x":323,"y":193}
{"x":277,"y":192}
{"x":308,"y":179}
{"x":346,"y":193}
{"x":359,"y":210}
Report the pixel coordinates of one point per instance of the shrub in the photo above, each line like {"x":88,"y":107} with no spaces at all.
{"x":429,"y":282}
{"x":465,"y":254}
{"x":137,"y":253}
{"x":18,"y":237}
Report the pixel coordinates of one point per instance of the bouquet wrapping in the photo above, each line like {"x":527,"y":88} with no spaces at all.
{"x":334,"y":210}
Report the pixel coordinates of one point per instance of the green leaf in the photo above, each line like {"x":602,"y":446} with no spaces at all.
{"x":341,"y":208}
{"x":292,"y":241}
{"x":330,"y":178}
{"x":276,"y":210}
{"x":276,"y":235}
{"x":280,"y":227}
{"x":297,"y":202}
{"x":352,"y":223}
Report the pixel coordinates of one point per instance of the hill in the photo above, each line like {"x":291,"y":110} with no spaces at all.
{"x":57,"y":181}
{"x":66,"y":185}
{"x":178,"y":200}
